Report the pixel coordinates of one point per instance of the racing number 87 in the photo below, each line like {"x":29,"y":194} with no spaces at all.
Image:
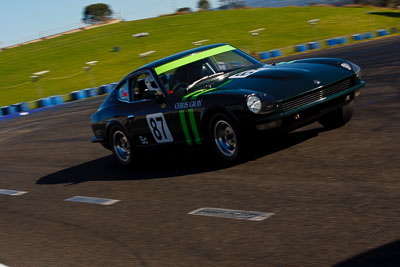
{"x":159,"y":128}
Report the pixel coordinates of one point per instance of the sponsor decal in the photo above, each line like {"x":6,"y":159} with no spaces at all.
{"x":143,"y":140}
{"x":246,"y":73}
{"x":188,"y":104}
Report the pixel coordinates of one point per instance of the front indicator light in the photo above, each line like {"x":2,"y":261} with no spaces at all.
{"x":254,"y":103}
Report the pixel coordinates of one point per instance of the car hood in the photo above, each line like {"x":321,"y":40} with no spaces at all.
{"x":287,"y":80}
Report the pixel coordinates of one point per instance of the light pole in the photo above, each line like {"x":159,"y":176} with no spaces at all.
{"x":88,"y":69}
{"x":256,"y":34}
{"x":143,"y":54}
{"x":313,"y":23}
{"x":36,"y":79}
{"x":142,"y":35}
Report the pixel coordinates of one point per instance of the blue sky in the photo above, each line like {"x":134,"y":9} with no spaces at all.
{"x":23,"y":20}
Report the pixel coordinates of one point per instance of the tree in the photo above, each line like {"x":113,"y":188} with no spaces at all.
{"x":203,"y":4}
{"x":184,"y":10}
{"x":96,"y":13}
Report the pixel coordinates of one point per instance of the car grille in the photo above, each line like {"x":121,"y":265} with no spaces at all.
{"x":317,"y":95}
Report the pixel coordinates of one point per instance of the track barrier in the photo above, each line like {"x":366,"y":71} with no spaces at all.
{"x":276,"y":53}
{"x":300,"y":48}
{"x":313,"y":45}
{"x":44,"y":102}
{"x":357,"y":37}
{"x":90,"y":92}
{"x":22,"y":107}
{"x":331,"y":42}
{"x":77,"y":95}
{"x":8,"y":110}
{"x":367,"y":35}
{"x":381,"y":32}
{"x":264,"y":55}
{"x":56,"y":99}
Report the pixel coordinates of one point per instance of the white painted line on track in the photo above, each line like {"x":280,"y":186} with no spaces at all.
{"x":12,"y":192}
{"x":232,"y":214}
{"x":93,"y":200}
{"x":2,"y":265}
{"x":17,"y":128}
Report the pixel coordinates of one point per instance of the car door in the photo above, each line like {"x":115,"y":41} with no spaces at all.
{"x":151,"y":119}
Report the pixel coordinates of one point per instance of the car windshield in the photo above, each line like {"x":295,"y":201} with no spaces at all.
{"x":186,"y":72}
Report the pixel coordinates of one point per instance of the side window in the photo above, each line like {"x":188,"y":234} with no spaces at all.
{"x":122,"y":93}
{"x":142,"y":83}
{"x":139,"y":87}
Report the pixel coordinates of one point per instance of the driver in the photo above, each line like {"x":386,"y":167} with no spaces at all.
{"x":150,"y":84}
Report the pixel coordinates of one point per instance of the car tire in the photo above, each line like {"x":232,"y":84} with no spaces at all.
{"x":121,"y":146}
{"x":338,"y":118}
{"x":224,"y":138}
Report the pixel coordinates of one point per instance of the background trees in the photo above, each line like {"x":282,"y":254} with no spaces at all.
{"x":96,"y":13}
{"x":203,"y":4}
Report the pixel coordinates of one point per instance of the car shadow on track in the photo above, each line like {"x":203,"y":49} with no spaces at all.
{"x":387,"y":255}
{"x":173,"y":162}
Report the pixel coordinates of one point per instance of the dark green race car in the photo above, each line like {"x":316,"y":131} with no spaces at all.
{"x":220,"y":96}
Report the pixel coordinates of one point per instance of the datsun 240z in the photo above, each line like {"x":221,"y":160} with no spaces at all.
{"x":219,"y":95}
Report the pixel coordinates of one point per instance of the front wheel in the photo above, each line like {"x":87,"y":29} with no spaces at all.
{"x":338,"y":118}
{"x":121,"y":147}
{"x":224,"y":138}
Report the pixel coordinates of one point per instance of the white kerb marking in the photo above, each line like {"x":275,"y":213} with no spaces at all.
{"x":93,"y":200}
{"x":12,"y":192}
{"x":232,"y":214}
{"x":2,"y":265}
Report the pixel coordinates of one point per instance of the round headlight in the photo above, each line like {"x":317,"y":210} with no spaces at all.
{"x":254,"y":103}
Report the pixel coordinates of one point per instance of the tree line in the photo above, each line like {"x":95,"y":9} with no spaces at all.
{"x":99,"y":13}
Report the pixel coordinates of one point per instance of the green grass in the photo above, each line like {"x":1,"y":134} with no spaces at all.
{"x":66,"y":56}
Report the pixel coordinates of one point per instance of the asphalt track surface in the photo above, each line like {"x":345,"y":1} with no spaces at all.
{"x":335,"y":194}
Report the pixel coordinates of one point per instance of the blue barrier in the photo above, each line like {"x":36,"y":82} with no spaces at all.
{"x":90,"y":92}
{"x":301,"y":48}
{"x":313,"y":45}
{"x":8,"y":110}
{"x":1,"y":112}
{"x":77,"y":95}
{"x":264,"y":55}
{"x":381,"y":32}
{"x":341,"y":40}
{"x":22,"y":107}
{"x":44,"y":102}
{"x":357,"y":37}
{"x":276,"y":53}
{"x":331,"y":42}
{"x":106,"y":88}
{"x":56,"y":99}
{"x":367,"y":35}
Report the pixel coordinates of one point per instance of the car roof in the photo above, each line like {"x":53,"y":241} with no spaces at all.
{"x":178,"y":56}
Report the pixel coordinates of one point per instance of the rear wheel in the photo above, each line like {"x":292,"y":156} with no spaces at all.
{"x":338,"y":118}
{"x":224,"y":138}
{"x":121,"y":146}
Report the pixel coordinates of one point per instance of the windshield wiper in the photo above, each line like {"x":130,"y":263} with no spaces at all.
{"x":204,"y":78}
